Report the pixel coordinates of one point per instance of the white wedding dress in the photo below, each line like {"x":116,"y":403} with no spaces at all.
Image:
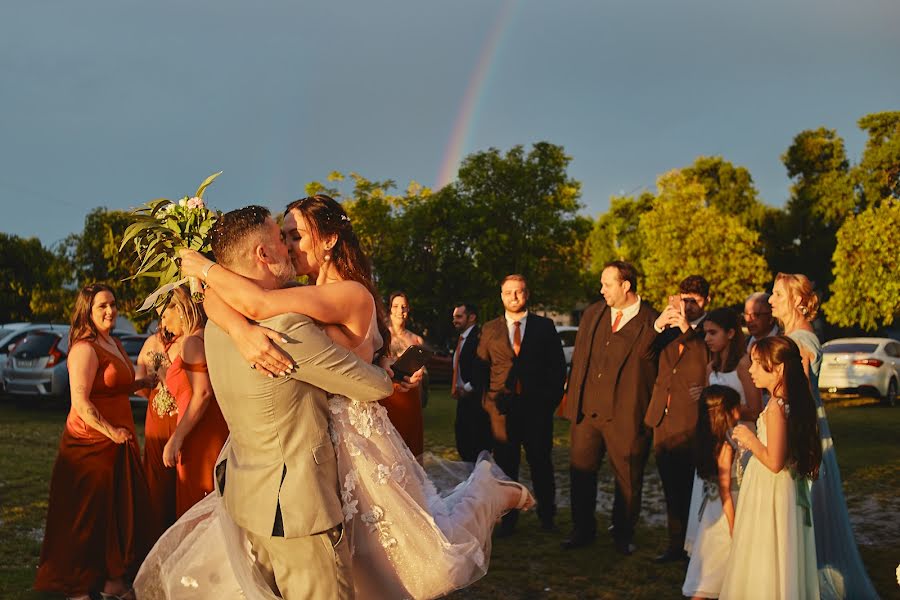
{"x":407,"y":539}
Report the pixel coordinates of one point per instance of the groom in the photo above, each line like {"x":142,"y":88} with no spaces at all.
{"x":278,"y":469}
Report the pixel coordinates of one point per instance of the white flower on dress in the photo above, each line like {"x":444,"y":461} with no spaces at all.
{"x":188,"y":581}
{"x":349,"y":509}
{"x":385,"y":474}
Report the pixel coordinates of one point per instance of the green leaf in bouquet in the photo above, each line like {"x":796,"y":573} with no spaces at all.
{"x":206,"y":183}
{"x":141,"y":224}
{"x":154,"y":206}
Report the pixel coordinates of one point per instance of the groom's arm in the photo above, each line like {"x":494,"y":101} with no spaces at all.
{"x":326,"y":365}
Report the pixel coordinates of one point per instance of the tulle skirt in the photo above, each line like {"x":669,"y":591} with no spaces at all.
{"x":407,"y":540}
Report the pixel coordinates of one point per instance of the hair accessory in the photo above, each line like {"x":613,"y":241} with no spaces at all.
{"x":345,"y":218}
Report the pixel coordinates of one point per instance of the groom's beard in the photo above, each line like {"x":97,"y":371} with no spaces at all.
{"x":283,"y":272}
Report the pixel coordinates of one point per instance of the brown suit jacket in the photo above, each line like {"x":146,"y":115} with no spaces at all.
{"x":678,"y":373}
{"x":635,"y":371}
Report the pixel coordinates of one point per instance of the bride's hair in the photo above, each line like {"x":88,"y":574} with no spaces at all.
{"x":804,"y":447}
{"x":82,"y":326}
{"x":326,"y":217}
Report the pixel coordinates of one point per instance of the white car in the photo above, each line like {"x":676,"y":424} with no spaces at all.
{"x":861,"y":365}
{"x":13,"y":333}
{"x":567,"y":339}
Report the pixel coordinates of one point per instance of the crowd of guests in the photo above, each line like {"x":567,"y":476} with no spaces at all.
{"x":754,"y":503}
{"x":739,"y":434}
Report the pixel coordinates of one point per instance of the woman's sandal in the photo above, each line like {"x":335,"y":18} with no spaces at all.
{"x":526,"y":500}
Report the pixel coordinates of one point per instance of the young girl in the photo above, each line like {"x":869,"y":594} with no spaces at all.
{"x":720,"y":410}
{"x":773,"y":547}
{"x":729,"y":366}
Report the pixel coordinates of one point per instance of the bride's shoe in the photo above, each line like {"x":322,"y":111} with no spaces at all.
{"x":525,"y":501}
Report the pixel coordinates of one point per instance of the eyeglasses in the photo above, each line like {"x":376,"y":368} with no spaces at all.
{"x":755,"y":315}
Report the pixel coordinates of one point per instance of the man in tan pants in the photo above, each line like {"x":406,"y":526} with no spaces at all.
{"x":278,"y":472}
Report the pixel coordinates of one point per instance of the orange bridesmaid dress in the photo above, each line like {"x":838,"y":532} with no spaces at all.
{"x":201,"y":447}
{"x":100,"y":524}
{"x":405,"y":412}
{"x":160,"y":479}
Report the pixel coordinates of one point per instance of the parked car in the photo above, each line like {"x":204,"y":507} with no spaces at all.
{"x":868,"y":366}
{"x":567,"y":339}
{"x":133,"y":342}
{"x":439,"y":367}
{"x":36,"y":366}
{"x":10,"y":335}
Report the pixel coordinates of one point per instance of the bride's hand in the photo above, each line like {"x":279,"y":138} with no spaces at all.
{"x":257,"y":346}
{"x":193,"y":263}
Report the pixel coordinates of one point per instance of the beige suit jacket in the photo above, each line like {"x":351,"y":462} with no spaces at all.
{"x":280,"y":451}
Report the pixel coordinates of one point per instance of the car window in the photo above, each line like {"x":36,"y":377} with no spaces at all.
{"x":15,"y":339}
{"x":849,"y":348}
{"x":36,"y":343}
{"x":568,"y":337}
{"x":132,"y":345}
{"x":892,"y":349}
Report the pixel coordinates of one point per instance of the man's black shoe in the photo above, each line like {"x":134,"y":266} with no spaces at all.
{"x":577,"y":541}
{"x":671,"y":556}
{"x":626,"y":548}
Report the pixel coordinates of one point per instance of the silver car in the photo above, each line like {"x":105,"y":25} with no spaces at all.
{"x":864,"y":365}
{"x":36,"y":366}
{"x":10,"y":335}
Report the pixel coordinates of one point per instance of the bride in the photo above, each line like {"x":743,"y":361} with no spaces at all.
{"x":407,"y":540}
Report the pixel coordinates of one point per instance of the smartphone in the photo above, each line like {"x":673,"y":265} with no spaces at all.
{"x":675,"y":302}
{"x":412,"y":359}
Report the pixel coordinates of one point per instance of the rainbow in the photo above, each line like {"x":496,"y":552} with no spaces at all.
{"x":465,"y":118}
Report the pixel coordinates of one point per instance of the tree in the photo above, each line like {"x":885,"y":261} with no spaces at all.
{"x":31,"y":279}
{"x":866,"y":287}
{"x":878,"y":173}
{"x":522,"y":214}
{"x":95,"y":257}
{"x":822,"y":197}
{"x":729,"y":189}
{"x":616,"y":233}
{"x":683,"y":236}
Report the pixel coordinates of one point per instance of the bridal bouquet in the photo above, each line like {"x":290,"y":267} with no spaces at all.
{"x":161,"y":227}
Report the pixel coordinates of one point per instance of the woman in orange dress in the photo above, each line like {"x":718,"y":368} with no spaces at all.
{"x":99,"y":521}
{"x":404,"y":408}
{"x":159,"y":425}
{"x":201,"y":430}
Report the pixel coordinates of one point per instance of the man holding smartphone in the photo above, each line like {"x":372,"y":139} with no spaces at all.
{"x":672,"y":413}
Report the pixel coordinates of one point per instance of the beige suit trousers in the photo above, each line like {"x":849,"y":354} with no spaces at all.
{"x":323,"y":573}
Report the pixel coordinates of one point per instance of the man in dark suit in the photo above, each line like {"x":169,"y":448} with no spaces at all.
{"x":613,"y":370}
{"x":673,"y":408}
{"x":473,"y":426}
{"x":527,"y":370}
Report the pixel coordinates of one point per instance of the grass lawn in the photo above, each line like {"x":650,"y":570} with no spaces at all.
{"x":529,"y":564}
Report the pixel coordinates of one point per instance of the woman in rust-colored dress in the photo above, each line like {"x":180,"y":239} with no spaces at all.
{"x":159,"y":425}
{"x":99,"y":521}
{"x":404,"y":408}
{"x":201,"y":430}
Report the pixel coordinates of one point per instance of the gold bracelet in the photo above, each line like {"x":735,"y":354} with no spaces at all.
{"x":206,"y":269}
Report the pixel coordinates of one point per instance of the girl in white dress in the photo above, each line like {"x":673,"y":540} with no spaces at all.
{"x":407,"y":540}
{"x":720,"y":410}
{"x":773,"y":552}
{"x":729,"y":366}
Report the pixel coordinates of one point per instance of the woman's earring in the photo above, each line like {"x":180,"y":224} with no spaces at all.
{"x":327,"y":257}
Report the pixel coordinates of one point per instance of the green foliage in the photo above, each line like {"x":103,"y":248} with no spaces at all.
{"x":616,"y":233}
{"x":683,"y":236}
{"x":31,"y":281}
{"x":162,"y":227}
{"x":729,"y":189}
{"x":878,"y":173}
{"x":822,"y":197}
{"x":866,"y":287}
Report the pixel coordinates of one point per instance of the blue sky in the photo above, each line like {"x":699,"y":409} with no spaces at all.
{"x":112,"y":103}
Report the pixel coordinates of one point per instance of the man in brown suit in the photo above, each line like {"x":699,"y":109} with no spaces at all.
{"x":527,"y":370}
{"x":613,"y":370}
{"x":673,"y":408}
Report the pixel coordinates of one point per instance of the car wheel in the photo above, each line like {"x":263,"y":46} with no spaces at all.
{"x":891,"y":397}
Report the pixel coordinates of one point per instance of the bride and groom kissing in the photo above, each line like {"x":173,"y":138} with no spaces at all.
{"x":317,"y":495}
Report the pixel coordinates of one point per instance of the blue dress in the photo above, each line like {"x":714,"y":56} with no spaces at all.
{"x":841,"y":570}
